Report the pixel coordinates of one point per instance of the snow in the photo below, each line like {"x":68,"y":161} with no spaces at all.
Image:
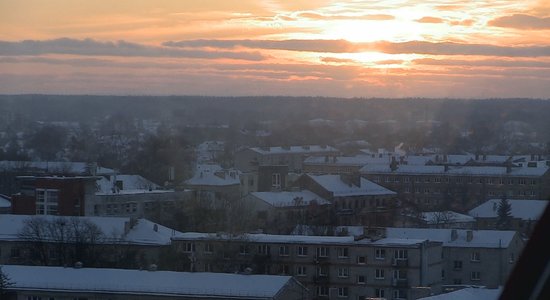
{"x":468,"y":293}
{"x":436,"y":217}
{"x":334,"y":184}
{"x":129,"y":182}
{"x":295,"y":149}
{"x":144,"y":282}
{"x":523,"y":209}
{"x":4,"y":201}
{"x":214,"y":175}
{"x":481,"y":238}
{"x":280,"y":199}
{"x":457,"y":170}
{"x":142,"y":233}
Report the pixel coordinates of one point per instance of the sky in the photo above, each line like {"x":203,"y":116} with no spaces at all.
{"x":421,"y":48}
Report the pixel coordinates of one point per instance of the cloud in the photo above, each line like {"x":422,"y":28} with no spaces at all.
{"x":484,"y":63}
{"x":430,"y":20}
{"x":448,"y":48}
{"x":336,"y":60}
{"x":368,"y":17}
{"x":521,"y":21}
{"x":91,"y":47}
{"x":332,"y":46}
{"x":465,"y":22}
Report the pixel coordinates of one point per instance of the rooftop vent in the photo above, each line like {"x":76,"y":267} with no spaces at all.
{"x":152,"y":267}
{"x":78,"y":265}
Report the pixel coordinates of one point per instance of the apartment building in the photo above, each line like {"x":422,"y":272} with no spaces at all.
{"x":331,"y":267}
{"x":471,"y":257}
{"x":461,"y":188}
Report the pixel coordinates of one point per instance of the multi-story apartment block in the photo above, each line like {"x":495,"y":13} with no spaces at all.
{"x":461,"y":188}
{"x":356,"y":200}
{"x":249,"y":159}
{"x":213,"y":184}
{"x":471,"y":257}
{"x":331,"y":267}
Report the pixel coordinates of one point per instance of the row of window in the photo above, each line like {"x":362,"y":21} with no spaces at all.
{"x":343,"y":292}
{"x":459,"y":180}
{"x":284,"y":250}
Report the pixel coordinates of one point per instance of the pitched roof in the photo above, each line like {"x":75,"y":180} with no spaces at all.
{"x":122,"y":281}
{"x":5,"y":201}
{"x":294,"y":149}
{"x":143,"y":231}
{"x":299,"y":198}
{"x":468,"y":293}
{"x":523,"y":209}
{"x":334,"y":184}
{"x":130,"y":183}
{"x":214,"y":175}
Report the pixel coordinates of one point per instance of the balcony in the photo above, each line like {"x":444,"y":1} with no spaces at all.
{"x":400,"y":262}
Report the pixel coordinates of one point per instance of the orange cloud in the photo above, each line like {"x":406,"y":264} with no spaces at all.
{"x":430,"y":20}
{"x":521,"y":21}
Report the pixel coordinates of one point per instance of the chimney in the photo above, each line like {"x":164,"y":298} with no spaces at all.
{"x":454,"y":235}
{"x":508,"y":168}
{"x":445,"y":157}
{"x":484,"y":156}
{"x":477,"y":157}
{"x":393,"y":164}
{"x":446,"y":168}
{"x":469,"y":235}
{"x":437,"y":158}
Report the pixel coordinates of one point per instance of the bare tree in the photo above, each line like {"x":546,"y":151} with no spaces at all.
{"x":5,"y":282}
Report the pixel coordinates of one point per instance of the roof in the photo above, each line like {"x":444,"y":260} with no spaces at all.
{"x":294,"y":149}
{"x":458,"y":170}
{"x":142,"y":232}
{"x":468,"y":293}
{"x":299,"y":239}
{"x":122,"y":281}
{"x":523,"y":209}
{"x":335,"y":185}
{"x":480,"y":238}
{"x":214,"y":175}
{"x":129,"y":183}
{"x":300,"y":198}
{"x":53,"y":167}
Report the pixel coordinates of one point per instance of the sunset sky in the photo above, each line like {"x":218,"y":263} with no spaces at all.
{"x":464,"y":49}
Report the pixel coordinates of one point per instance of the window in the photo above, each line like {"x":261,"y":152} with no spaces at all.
{"x":302,"y":250}
{"x":322,"y":271}
{"x":474,"y":256}
{"x":379,"y":274}
{"x":207,"y":268}
{"x":522,"y":181}
{"x":264,"y":249}
{"x":361,"y":279}
{"x":322,"y":290}
{"x":188,"y":247}
{"x":283,"y":250}
{"x":401,"y":254}
{"x":301,"y":271}
{"x":511,"y":258}
{"x":244,"y":250}
{"x":47,"y":201}
{"x":361,"y":260}
{"x":284,"y":269}
{"x":322,"y":252}
{"x":343,"y":292}
{"x":400,"y":274}
{"x":443,"y":274}
{"x":380,"y":254}
{"x":208,"y":248}
{"x":457,"y":264}
{"x":343,"y":272}
{"x":276,"y":180}
{"x":457,"y":281}
{"x":342,"y":252}
{"x":475,"y":275}
{"x":379,"y":293}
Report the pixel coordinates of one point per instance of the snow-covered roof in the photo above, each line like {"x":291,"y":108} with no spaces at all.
{"x":53,"y":167}
{"x":143,"y":231}
{"x":458,"y":170}
{"x":5,"y":201}
{"x":438,"y":217}
{"x":129,"y":183}
{"x":299,"y":198}
{"x":339,"y":188}
{"x":468,"y":293}
{"x":523,"y":209}
{"x":299,"y":239}
{"x":480,"y":238}
{"x":358,"y":160}
{"x":214,"y":175}
{"x":294,"y":149}
{"x":123,"y":281}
